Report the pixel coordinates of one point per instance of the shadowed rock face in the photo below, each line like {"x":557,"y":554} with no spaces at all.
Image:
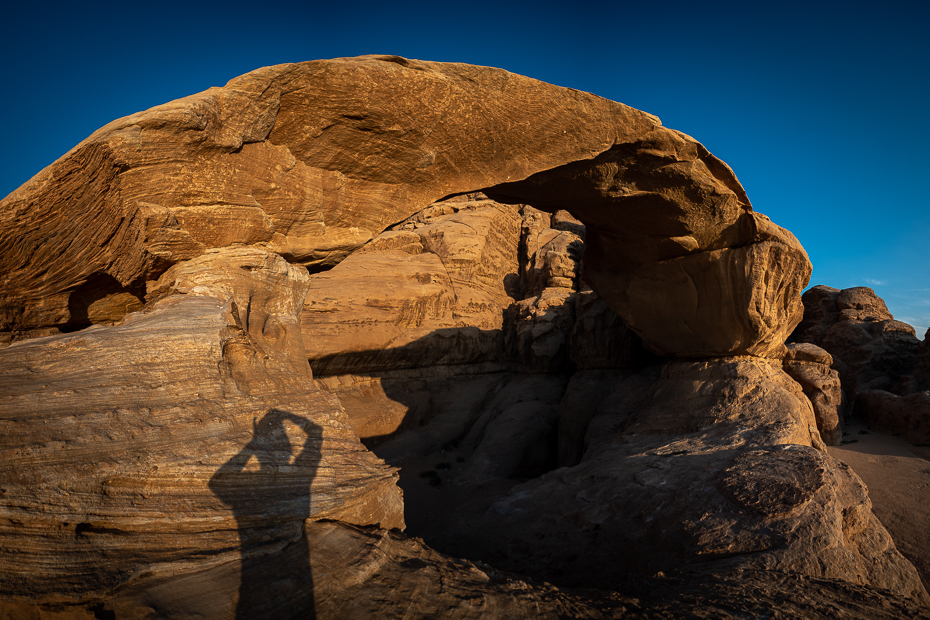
{"x":882,"y":364}
{"x":178,"y":457}
{"x":731,"y":435}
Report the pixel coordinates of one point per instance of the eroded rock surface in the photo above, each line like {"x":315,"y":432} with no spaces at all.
{"x":810,"y":366}
{"x":314,"y":159}
{"x":881,"y":362}
{"x":437,"y":315}
{"x":188,"y":430}
{"x":491,"y":257}
{"x":715,"y":432}
{"x":870,"y":349}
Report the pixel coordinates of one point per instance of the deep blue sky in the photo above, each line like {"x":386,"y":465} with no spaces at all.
{"x":820,"y":108}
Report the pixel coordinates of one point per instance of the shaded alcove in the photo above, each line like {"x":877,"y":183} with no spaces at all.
{"x":100,"y":299}
{"x":471,"y":431}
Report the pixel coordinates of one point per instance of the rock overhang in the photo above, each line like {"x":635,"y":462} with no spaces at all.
{"x":311,"y":160}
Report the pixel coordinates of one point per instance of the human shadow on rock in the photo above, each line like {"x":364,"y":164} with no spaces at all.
{"x":267,"y":486}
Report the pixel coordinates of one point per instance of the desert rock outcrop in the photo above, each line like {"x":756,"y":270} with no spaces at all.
{"x":715,"y":432}
{"x":312,"y":160}
{"x":810,"y":366}
{"x":544,"y":304}
{"x":870,"y":349}
{"x":154,"y":442}
{"x":880,"y":361}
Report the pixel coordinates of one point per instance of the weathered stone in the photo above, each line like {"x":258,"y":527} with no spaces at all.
{"x":185,"y":431}
{"x":670,"y":304}
{"x":600,"y":338}
{"x":313,"y":176}
{"x":810,"y":366}
{"x":584,"y":394}
{"x":432,"y":291}
{"x":870,"y":349}
{"x":262,"y":160}
{"x":466,"y":419}
{"x":184,"y":462}
{"x":437,"y":404}
{"x":543,"y":327}
{"x":668,"y":247}
{"x":922,"y":366}
{"x":518,"y":443}
{"x":403,"y":578}
{"x":734,"y":437}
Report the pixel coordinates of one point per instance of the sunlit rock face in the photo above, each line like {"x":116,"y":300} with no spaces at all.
{"x":312,"y":160}
{"x":186,"y":432}
{"x":810,"y":366}
{"x":573,"y":308}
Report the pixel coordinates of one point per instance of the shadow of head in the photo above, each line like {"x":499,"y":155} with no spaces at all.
{"x":270,"y":477}
{"x":278,"y":435}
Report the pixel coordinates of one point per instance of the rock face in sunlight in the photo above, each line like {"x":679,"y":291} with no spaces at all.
{"x":377,"y":337}
{"x":166,"y":438}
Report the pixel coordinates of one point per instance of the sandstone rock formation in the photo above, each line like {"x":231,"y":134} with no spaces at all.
{"x":715,"y":432}
{"x":209,"y":302}
{"x":875,"y":355}
{"x":810,"y":366}
{"x":922,"y":367}
{"x":189,"y":430}
{"x":312,"y":160}
{"x":870,"y":349}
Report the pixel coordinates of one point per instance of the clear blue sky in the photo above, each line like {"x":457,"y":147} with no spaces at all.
{"x":820,"y":108}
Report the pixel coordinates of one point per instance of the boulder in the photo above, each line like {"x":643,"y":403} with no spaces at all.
{"x":810,"y":366}
{"x":717,"y":269}
{"x":734,"y":436}
{"x":870,"y":349}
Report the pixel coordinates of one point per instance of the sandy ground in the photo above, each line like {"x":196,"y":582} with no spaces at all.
{"x":898,"y":476}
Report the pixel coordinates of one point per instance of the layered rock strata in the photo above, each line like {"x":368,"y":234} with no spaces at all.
{"x":312,"y":160}
{"x":189,"y":430}
{"x":183,"y":460}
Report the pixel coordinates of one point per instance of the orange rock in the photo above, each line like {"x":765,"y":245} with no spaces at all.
{"x":314,"y":159}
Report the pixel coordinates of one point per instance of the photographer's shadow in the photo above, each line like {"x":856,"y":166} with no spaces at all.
{"x":270,"y":498}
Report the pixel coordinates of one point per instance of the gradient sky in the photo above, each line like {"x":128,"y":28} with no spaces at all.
{"x":820,"y":108}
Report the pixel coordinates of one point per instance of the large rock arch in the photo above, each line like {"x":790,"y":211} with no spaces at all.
{"x":311,"y":160}
{"x":125,"y":445}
